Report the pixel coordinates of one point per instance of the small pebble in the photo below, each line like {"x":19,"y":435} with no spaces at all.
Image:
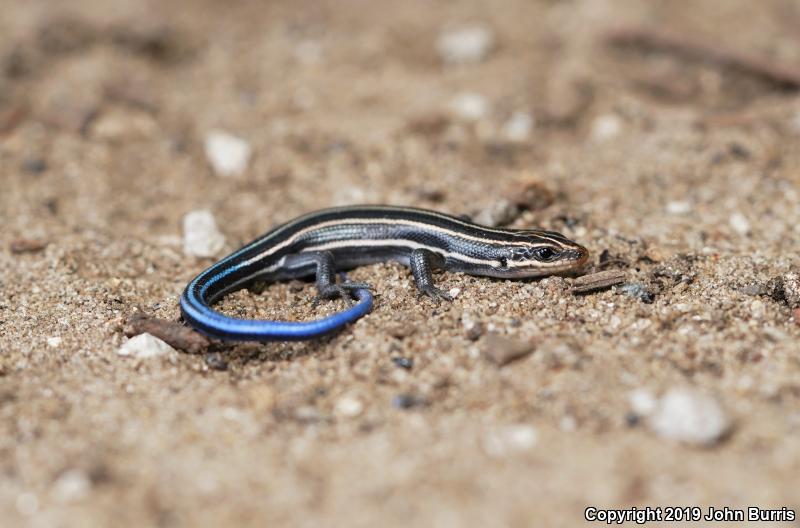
{"x":465,"y":45}
{"x":348,"y":407}
{"x":201,"y":238}
{"x":216,"y":361}
{"x":402,"y":362}
{"x":568,"y":423}
{"x":606,"y":127}
{"x":34,"y":165}
{"x":472,"y":329}
{"x":678,"y":208}
{"x":509,"y":439}
{"x":227,"y":154}
{"x":469,"y":106}
{"x":308,"y":414}
{"x":144,"y":346}
{"x":791,"y":289}
{"x":530,"y":194}
{"x":518,"y":128}
{"x":739,"y":223}
{"x":400,"y":329}
{"x":774,"y":289}
{"x":754,"y":289}
{"x":454,"y":292}
{"x":688,"y":416}
{"x":655,"y":254}
{"x":502,"y":351}
{"x":72,"y":485}
{"x":642,"y":402}
{"x":54,"y":342}
{"x":796,"y":316}
{"x":407,"y":401}
{"x":637,"y":290}
{"x":499,"y":213}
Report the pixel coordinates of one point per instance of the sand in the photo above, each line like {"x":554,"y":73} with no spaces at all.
{"x":680,"y":171}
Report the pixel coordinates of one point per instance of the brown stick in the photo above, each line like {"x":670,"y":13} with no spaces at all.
{"x":784,"y":76}
{"x":174,"y":334}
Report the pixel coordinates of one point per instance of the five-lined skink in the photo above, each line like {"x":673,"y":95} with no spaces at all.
{"x":322,"y":242}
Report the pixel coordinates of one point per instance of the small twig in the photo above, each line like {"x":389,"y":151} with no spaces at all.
{"x":174,"y":334}
{"x":597,"y":281}
{"x":784,"y":76}
{"x":26,"y":245}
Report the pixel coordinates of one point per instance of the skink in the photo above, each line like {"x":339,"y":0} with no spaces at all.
{"x":325,"y":241}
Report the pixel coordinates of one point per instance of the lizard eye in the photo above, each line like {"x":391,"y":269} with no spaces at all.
{"x":545,"y":254}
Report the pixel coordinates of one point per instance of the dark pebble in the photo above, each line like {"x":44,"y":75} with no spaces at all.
{"x":639,"y":291}
{"x":402,"y":362}
{"x":215,"y":361}
{"x":774,"y":289}
{"x":407,"y":401}
{"x":34,"y":165}
{"x":754,"y":289}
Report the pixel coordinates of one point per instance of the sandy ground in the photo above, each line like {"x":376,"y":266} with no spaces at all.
{"x":683,"y":173}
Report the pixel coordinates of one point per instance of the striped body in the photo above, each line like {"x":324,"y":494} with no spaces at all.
{"x":361,"y":235}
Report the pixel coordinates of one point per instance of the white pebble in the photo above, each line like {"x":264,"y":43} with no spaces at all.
{"x":71,"y":486}
{"x":348,"y":406}
{"x":509,"y":439}
{"x":54,"y":342}
{"x":688,"y":416}
{"x":465,"y":45}
{"x":144,"y":346}
{"x":568,"y":423}
{"x":469,"y":106}
{"x":758,"y":308}
{"x":678,"y":207}
{"x":606,"y":127}
{"x":228,"y":154}
{"x":201,"y":238}
{"x":739,"y":223}
{"x":454,"y":292}
{"x":518,"y":127}
{"x":642,"y":402}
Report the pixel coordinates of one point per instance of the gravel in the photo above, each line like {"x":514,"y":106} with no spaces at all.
{"x":145,"y":346}
{"x":228,"y":155}
{"x":689,"y":416}
{"x":201,"y":237}
{"x":465,"y":45}
{"x":469,"y":106}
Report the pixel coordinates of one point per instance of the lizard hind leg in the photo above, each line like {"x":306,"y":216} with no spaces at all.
{"x":327,"y":287}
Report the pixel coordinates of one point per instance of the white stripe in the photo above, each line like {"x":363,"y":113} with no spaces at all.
{"x":400,"y":242}
{"x":368,"y":221}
